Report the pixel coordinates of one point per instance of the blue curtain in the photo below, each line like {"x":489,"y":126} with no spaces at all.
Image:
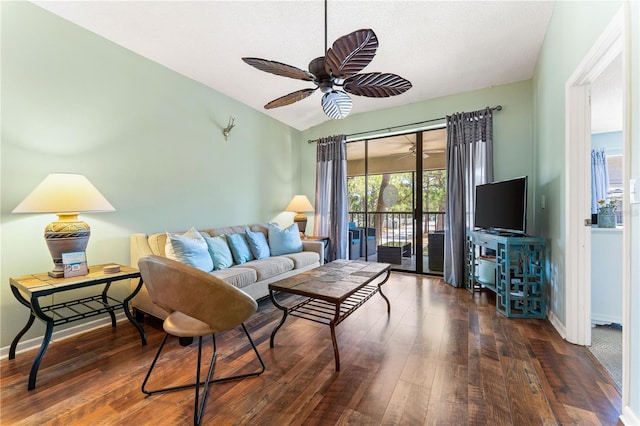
{"x":599,"y":178}
{"x":469,"y":158}
{"x":331,"y":194}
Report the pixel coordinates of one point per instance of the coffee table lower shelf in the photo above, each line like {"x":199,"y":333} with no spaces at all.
{"x":324,"y":312}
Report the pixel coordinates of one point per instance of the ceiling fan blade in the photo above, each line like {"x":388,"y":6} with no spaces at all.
{"x":376,"y":85}
{"x":351,"y":53}
{"x":279,"y":68}
{"x":336,"y":104}
{"x":290,"y":98}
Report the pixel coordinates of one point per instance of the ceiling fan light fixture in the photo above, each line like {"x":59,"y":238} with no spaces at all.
{"x":340,"y":67}
{"x":336,"y":104}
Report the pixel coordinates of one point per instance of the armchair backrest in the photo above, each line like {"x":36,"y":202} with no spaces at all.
{"x":178,"y":287}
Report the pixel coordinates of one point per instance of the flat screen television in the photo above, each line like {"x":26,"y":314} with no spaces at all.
{"x":501,"y":207}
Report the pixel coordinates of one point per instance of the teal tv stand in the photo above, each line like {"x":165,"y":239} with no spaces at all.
{"x":519,"y":278}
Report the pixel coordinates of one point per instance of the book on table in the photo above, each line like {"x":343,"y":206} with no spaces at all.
{"x":75,"y":264}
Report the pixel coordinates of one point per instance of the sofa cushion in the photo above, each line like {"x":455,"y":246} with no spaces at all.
{"x":237,"y":276}
{"x":258,"y":244}
{"x":239,"y":248}
{"x":303,"y":259}
{"x":219,"y":251}
{"x":189,"y":248}
{"x":283,"y":241}
{"x":270,"y":267}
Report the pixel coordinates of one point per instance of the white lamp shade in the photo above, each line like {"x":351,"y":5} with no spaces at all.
{"x":64,"y":193}
{"x":299,"y":204}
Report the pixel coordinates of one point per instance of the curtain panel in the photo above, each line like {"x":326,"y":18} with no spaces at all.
{"x":599,"y":178}
{"x":469,"y":159}
{"x":331,"y":194}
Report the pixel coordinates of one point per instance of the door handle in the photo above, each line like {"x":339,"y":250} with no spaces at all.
{"x":587,"y":222}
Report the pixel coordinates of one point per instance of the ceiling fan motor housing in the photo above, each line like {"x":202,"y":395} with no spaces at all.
{"x":322,"y":78}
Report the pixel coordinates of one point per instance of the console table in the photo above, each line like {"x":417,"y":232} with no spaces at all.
{"x":324,"y":240}
{"x":519,"y":281}
{"x":29,"y":289}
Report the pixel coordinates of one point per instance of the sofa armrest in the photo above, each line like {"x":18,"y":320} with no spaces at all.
{"x":315,"y":246}
{"x":139,"y":247}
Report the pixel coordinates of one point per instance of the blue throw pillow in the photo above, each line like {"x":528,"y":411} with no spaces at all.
{"x":283,"y":241}
{"x":239,"y":248}
{"x":258,"y":244}
{"x":219,"y":251}
{"x":189,"y":248}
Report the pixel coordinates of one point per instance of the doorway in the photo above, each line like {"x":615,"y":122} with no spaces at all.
{"x":577,"y":190}
{"x":397,"y":190}
{"x":606,"y":243}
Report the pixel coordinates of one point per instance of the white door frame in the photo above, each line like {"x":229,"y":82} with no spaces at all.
{"x":578,"y":177}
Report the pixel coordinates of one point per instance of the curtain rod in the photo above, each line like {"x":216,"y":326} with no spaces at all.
{"x":388,"y":129}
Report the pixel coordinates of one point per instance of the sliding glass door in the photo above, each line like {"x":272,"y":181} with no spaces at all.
{"x":395,"y":198}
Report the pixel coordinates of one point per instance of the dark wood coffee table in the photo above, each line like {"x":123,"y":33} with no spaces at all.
{"x":332,"y":292}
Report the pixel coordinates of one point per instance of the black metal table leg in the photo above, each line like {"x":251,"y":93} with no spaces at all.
{"x":14,"y":343}
{"x":130,"y":317}
{"x":284,"y":317}
{"x":106,"y":302}
{"x":382,"y":294}
{"x":35,"y":306}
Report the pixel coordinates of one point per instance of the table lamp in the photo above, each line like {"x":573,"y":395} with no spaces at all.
{"x":300,"y":204}
{"x":67,"y":195}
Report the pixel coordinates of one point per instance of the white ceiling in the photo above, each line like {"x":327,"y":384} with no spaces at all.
{"x":442,"y":47}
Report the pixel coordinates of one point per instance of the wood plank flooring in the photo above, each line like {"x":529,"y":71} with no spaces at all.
{"x":442,"y":357}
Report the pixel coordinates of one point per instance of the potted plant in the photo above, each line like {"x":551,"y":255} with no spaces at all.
{"x":606,"y":214}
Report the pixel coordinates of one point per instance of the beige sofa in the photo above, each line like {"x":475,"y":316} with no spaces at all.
{"x":252,"y":277}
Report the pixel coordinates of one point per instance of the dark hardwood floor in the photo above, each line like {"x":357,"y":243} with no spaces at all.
{"x":443,"y":356}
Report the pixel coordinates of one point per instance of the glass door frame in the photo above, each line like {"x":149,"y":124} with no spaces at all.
{"x":417,"y":203}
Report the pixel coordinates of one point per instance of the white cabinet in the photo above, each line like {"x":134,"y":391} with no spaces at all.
{"x":606,"y":275}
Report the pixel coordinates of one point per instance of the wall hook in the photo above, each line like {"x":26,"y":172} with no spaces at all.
{"x":227,"y":129}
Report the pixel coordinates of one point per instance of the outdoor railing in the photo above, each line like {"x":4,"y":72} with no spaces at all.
{"x":398,"y":226}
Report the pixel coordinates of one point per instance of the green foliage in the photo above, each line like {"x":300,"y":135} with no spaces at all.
{"x":433,"y":196}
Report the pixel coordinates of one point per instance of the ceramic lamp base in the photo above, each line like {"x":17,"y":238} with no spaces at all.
{"x":301,"y":220}
{"x":67,"y":235}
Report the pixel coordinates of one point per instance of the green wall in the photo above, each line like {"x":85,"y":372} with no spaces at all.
{"x":148,"y":138}
{"x":574,"y":28}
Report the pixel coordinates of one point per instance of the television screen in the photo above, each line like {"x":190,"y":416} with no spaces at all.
{"x":502,"y":206}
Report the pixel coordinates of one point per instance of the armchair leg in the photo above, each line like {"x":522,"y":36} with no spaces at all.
{"x":243,"y":376}
{"x":197,"y":412}
{"x":209,"y":381}
{"x":174,"y":388}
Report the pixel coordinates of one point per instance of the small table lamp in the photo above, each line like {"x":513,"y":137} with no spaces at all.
{"x":300,"y":204}
{"x":66,"y":195}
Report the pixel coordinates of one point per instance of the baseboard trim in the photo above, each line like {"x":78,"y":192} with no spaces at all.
{"x":602,"y":319}
{"x":57,"y":336}
{"x":628,"y":417}
{"x":557,"y":324}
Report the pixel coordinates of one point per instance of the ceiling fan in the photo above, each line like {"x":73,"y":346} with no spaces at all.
{"x":340,"y":66}
{"x":413,"y":150}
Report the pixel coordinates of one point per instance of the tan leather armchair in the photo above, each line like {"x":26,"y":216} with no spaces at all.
{"x":198,"y":305}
